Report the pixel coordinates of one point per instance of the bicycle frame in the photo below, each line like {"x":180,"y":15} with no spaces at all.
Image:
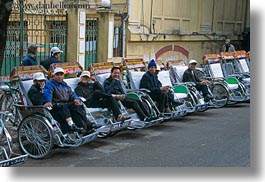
{"x":11,"y":96}
{"x":10,"y":158}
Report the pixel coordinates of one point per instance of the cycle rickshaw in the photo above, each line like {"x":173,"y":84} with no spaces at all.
{"x":38,"y":131}
{"x":101,"y":117}
{"x":236,"y":64}
{"x":229,"y":89}
{"x":185,"y":91}
{"x":103,"y":72}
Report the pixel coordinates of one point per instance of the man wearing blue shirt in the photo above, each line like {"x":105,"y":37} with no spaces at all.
{"x":65,"y":104}
{"x":157,"y":91}
{"x":30,"y":58}
{"x":55,"y":54}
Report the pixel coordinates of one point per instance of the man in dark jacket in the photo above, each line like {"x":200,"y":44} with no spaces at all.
{"x":196,"y":76}
{"x":157,"y":91}
{"x":54,"y":58}
{"x":228,"y":47}
{"x":35,"y":93}
{"x":65,"y":104}
{"x":112,"y":85}
{"x":90,"y":89}
{"x":30,"y":58}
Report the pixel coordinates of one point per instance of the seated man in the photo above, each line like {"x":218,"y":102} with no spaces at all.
{"x":35,"y":93}
{"x":196,"y":76}
{"x":170,"y":94}
{"x":95,"y":96}
{"x":65,"y":105}
{"x":112,"y":85}
{"x":157,"y":91}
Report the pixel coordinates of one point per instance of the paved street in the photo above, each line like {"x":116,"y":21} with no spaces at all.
{"x":215,"y":138}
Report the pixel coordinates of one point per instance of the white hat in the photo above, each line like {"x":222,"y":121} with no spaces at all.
{"x":58,"y":70}
{"x":55,"y":50}
{"x":85,"y":73}
{"x":38,"y":76}
{"x":193,"y":61}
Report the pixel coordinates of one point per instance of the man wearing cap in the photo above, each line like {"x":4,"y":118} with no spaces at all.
{"x":35,"y":93}
{"x":228,"y":47}
{"x":90,"y":89}
{"x":170,"y":94}
{"x":55,"y":55}
{"x":157,"y":91}
{"x":65,"y":104}
{"x":30,"y":58}
{"x":196,"y":76}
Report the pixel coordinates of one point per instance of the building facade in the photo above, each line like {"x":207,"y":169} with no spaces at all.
{"x":185,"y":29}
{"x":91,"y":31}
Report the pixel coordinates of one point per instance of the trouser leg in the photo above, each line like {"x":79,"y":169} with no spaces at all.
{"x":162,"y":100}
{"x":113,"y":105}
{"x":60,"y":113}
{"x":203,"y":89}
{"x":78,"y":115}
{"x":131,"y":103}
{"x":101,"y":99}
{"x":98,"y":94}
{"x":143,"y":108}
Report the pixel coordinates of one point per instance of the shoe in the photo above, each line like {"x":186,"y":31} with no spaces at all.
{"x":74,"y":128}
{"x":90,"y":131}
{"x":175,"y":104}
{"x":122,"y":117}
{"x":95,"y":126}
{"x":167,"y":110}
{"x":120,"y":97}
{"x":207,"y":98}
{"x":148,"y":119}
{"x":69,"y":141}
{"x":154,"y":117}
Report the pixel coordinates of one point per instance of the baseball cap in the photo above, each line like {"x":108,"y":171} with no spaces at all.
{"x":227,"y":41}
{"x":55,"y":50}
{"x":38,"y":76}
{"x":32,"y":47}
{"x":192,"y":61}
{"x":85,"y":73}
{"x":58,"y":70}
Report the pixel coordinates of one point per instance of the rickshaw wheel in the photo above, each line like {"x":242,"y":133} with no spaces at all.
{"x":35,"y":136}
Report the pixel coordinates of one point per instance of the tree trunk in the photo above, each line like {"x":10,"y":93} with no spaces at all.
{"x":5,"y":11}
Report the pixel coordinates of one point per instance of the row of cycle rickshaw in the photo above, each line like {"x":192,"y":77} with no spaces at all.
{"x":228,"y":75}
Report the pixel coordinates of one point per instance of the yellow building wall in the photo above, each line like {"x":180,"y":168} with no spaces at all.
{"x":198,"y":26}
{"x":187,"y":16}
